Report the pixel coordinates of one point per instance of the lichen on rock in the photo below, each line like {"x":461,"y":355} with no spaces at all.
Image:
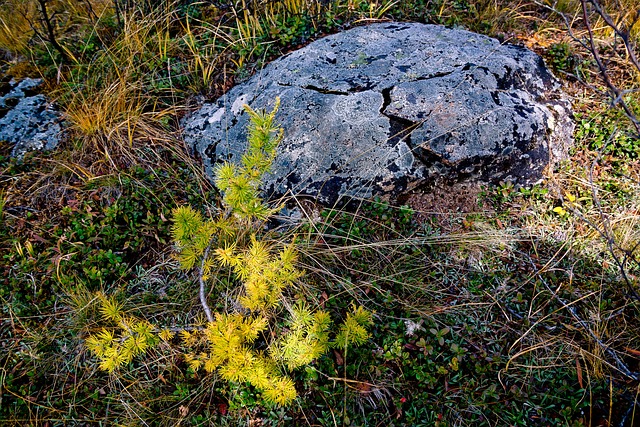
{"x":27,"y":119}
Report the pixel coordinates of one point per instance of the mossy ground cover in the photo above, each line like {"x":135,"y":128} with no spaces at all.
{"x":523,"y":311}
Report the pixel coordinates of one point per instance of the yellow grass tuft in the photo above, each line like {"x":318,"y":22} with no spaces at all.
{"x":106,"y":111}
{"x":106,"y":105}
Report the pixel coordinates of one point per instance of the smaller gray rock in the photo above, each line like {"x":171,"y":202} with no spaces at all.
{"x":27,"y":119}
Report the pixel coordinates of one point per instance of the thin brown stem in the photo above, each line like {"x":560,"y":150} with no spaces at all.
{"x":615,"y":92}
{"x":51,"y":36}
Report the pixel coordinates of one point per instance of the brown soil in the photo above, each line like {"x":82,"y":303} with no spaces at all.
{"x":448,"y":205}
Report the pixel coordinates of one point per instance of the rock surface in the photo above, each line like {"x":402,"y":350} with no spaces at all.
{"x":382,"y":109}
{"x":27,"y":119}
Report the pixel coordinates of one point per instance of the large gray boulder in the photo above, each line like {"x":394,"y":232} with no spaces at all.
{"x":27,"y":119}
{"x":382,"y":109}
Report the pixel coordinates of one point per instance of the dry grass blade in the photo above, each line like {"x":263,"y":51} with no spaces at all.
{"x":15,"y":27}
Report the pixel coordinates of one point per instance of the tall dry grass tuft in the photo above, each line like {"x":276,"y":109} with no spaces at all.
{"x":105,"y":102}
{"x":105,"y":112}
{"x":112,"y":123}
{"x":15,"y":27}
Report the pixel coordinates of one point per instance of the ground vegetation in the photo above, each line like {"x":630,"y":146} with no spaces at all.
{"x":518,"y":307}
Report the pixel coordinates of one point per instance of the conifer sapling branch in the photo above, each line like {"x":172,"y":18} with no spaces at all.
{"x":203,"y":296}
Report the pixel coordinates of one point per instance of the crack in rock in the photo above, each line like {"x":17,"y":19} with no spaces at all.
{"x":399,"y":128}
{"x":325,"y":91}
